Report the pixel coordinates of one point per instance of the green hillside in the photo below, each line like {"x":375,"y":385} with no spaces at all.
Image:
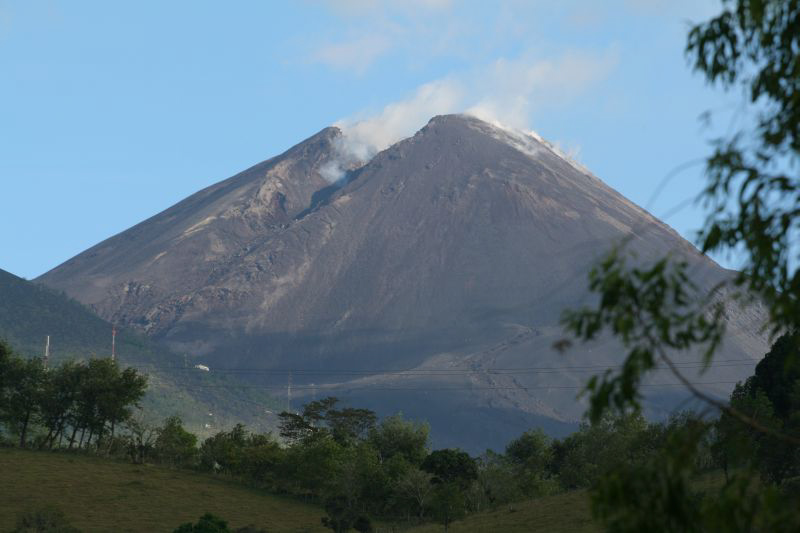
{"x":563,"y":513}
{"x":102,"y":495}
{"x":30,"y":311}
{"x":99,"y":494}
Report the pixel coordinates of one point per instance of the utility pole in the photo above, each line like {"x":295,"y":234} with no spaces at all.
{"x":113,"y":342}
{"x":289,"y":393}
{"x":46,"y":351}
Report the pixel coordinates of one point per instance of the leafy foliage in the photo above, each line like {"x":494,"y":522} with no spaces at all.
{"x":777,"y":375}
{"x":342,"y":516}
{"x":208,"y":523}
{"x":320,"y":418}
{"x":753,"y":197}
{"x":175,"y":445}
{"x":655,"y":495}
{"x":532,"y":455}
{"x":451,"y":466}
{"x":79,"y":402}
{"x":414,"y":486}
{"x":448,"y":503}
{"x":398,"y":439}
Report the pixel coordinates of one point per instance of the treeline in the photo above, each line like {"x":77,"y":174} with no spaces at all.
{"x":770,"y":399}
{"x":753,"y":447}
{"x":362,"y":468}
{"x":74,"y":405}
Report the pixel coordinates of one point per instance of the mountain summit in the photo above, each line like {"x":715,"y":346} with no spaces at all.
{"x":442,"y":263}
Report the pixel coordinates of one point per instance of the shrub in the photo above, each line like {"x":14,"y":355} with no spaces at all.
{"x":44,"y":520}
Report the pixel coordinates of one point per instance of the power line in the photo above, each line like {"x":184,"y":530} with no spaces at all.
{"x":454,"y":371}
{"x":438,"y":389}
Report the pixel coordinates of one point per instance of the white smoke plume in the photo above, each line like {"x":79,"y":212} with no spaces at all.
{"x":362,"y":139}
{"x":504,"y":93}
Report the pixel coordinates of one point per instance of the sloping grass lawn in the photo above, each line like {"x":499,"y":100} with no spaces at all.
{"x":567,"y":513}
{"x":98,"y":494}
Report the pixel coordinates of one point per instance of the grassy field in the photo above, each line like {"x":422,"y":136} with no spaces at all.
{"x":99,"y":494}
{"x":566,"y":513}
{"x":102,"y":495}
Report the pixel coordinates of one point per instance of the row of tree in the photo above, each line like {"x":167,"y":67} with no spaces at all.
{"x":78,"y":404}
{"x":360,"y":468}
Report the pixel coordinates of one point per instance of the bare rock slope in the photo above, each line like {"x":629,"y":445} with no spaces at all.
{"x":442,"y":263}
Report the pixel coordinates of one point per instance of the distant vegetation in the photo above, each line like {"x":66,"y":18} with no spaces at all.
{"x":75,"y":404}
{"x":30,"y":311}
{"x":363,"y":471}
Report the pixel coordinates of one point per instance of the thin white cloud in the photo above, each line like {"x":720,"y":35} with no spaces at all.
{"x":369,"y":29}
{"x":368,"y":7}
{"x":588,"y":17}
{"x":357,"y":54}
{"x":693,"y":9}
{"x":427,"y":4}
{"x":509,"y":90}
{"x":419,"y":31}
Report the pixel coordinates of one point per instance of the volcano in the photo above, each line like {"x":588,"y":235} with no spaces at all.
{"x":428,"y":280}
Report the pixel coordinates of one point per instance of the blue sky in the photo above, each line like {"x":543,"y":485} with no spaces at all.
{"x":112,"y":111}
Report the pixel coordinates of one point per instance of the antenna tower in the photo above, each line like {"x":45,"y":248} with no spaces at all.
{"x":289,"y":393}
{"x":113,"y":342}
